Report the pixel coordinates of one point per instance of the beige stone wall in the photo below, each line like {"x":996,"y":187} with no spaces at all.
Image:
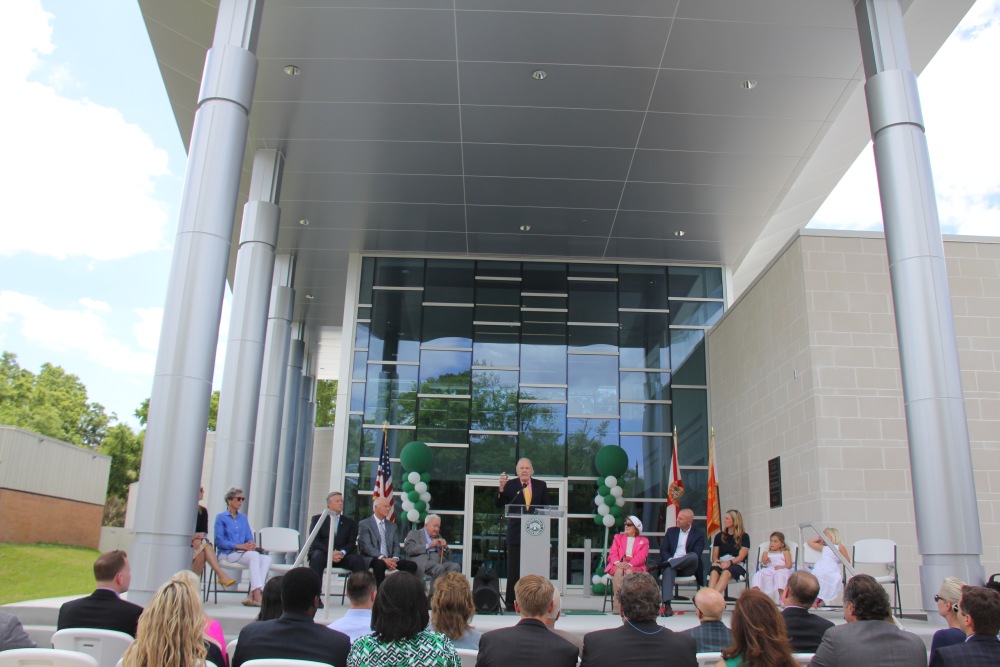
{"x":848,"y":463}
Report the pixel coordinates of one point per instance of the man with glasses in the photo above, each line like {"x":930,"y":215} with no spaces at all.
{"x":711,"y":634}
{"x":680,"y":556}
{"x":234,"y":544}
{"x":979,"y":618}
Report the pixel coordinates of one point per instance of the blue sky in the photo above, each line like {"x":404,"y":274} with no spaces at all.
{"x":98,"y":167}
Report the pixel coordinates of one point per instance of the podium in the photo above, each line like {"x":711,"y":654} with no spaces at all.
{"x":535,"y":531}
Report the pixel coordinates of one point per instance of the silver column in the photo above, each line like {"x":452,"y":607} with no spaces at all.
{"x":289,"y":431}
{"x":309,"y":435}
{"x":182,"y":384}
{"x":944,"y":491}
{"x":300,"y":474}
{"x":241,"y":375}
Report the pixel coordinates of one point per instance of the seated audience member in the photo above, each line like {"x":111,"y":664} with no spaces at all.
{"x":730,"y":549}
{"x":758,"y":634}
{"x":357,"y":622}
{"x":202,"y":550}
{"x":869,"y":637}
{"x":628,"y":555}
{"x":344,"y":539}
{"x":776,"y":567}
{"x":378,"y":543}
{"x":452,"y":609}
{"x":805,"y":630}
{"x":680,"y":556}
{"x":979,"y":614}
{"x":104,"y":609}
{"x":425,"y":547}
{"x":530,"y":642}
{"x":234,"y":540}
{"x":711,"y":634}
{"x":827,"y":568}
{"x":553,"y":616}
{"x":172,"y":629}
{"x":640,"y":640}
{"x":399,"y":629}
{"x":294,"y":636}
{"x":947,"y":598}
{"x":12,"y":634}
{"x":270,"y":601}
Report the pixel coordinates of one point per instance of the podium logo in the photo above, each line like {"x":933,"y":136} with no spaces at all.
{"x":534,"y":527}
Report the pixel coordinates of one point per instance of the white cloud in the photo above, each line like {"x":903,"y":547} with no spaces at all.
{"x":82,"y":179}
{"x":90,"y":304}
{"x":81,"y":331}
{"x":147,"y":329}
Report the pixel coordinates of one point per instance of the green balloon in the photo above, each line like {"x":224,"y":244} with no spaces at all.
{"x":598,"y":589}
{"x":619,"y":521}
{"x":413,"y":496}
{"x":425,"y":477}
{"x":416,"y":457}
{"x":609,"y":500}
{"x":603,"y":490}
{"x":599,"y":520}
{"x":420,"y":505}
{"x":611,"y":460}
{"x":423,"y":517}
{"x":407,"y":487}
{"x":616,"y":511}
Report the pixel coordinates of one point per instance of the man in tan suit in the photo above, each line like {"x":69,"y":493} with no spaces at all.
{"x":425,"y":547}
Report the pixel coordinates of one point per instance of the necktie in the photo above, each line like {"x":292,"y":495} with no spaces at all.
{"x":527,"y":494}
{"x":381,"y":540}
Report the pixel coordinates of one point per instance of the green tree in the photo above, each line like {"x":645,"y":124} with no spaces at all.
{"x":326,"y":402}
{"x":142,"y":412}
{"x":124,"y":446}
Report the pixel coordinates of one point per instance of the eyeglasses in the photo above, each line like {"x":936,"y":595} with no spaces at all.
{"x":629,"y":523}
{"x":952,"y":605}
{"x":239,"y":498}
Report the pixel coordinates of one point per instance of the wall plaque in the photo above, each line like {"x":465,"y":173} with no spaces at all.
{"x":774,"y":481}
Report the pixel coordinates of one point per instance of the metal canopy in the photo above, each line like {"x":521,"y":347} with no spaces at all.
{"x":416,"y":126}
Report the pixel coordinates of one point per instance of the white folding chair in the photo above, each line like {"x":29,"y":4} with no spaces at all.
{"x":280,"y":662}
{"x":467,"y":656}
{"x":45,"y":657}
{"x":105,"y":646}
{"x":793,"y":549}
{"x":880,"y":552}
{"x":231,"y":649}
{"x":803,"y":658}
{"x":708,"y":659}
{"x":276,"y":540}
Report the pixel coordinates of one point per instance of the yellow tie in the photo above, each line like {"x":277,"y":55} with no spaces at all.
{"x":527,"y":494}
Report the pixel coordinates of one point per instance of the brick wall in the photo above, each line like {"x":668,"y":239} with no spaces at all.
{"x":28,"y":518}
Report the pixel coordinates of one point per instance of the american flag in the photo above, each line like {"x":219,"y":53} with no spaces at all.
{"x":383,"y":478}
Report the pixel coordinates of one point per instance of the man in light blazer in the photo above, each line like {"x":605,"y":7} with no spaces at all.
{"x":425,"y":547}
{"x":869,"y":637}
{"x":379,"y":545}
{"x":522,"y":490}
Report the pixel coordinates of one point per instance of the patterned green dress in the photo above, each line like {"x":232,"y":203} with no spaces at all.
{"x":425,"y":649}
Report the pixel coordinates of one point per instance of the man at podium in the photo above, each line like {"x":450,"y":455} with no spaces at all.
{"x":522,"y":490}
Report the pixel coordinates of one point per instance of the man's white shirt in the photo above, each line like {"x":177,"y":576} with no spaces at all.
{"x":682,"y":540}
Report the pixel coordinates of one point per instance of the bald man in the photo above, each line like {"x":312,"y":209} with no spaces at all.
{"x":680,"y":556}
{"x":711,"y":634}
{"x":522,"y":490}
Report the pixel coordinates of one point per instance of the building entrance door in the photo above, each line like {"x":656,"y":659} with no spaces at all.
{"x":485,"y":532}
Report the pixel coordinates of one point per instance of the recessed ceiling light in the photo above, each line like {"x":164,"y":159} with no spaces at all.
{"x":310,"y":296}
{"x":678,"y":233}
{"x":292,"y":70}
{"x":748,"y":84}
{"x":539,"y":74}
{"x":303,"y":222}
{"x":525,"y":228}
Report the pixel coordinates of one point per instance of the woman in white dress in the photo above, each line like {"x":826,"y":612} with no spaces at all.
{"x":776,"y":567}
{"x":827,"y":568}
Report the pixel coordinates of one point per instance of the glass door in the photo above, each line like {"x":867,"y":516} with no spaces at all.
{"x":486,"y":528}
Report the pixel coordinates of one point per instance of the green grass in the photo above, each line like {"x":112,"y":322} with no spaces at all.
{"x":33,"y":571}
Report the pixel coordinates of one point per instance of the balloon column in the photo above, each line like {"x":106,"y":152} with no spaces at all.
{"x":416,"y":459}
{"x":611,"y":463}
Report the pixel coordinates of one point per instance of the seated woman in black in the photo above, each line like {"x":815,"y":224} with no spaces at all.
{"x":729,"y":552}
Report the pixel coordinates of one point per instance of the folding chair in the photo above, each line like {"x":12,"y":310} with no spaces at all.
{"x":105,"y":646}
{"x":880,"y":552}
{"x":276,"y":540}
{"x":45,"y":657}
{"x":467,"y":656}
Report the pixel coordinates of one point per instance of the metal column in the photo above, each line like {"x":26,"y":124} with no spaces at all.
{"x":300,"y":474}
{"x":289,"y":431}
{"x":310,"y":434}
{"x":944,"y":491}
{"x":182,"y":384}
{"x":241,"y":375}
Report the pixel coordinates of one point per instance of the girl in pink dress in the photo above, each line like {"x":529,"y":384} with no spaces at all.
{"x":776,"y":567}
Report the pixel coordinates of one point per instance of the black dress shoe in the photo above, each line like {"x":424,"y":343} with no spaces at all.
{"x":667,"y":611}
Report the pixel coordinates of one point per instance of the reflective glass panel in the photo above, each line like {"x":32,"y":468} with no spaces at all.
{"x":695,"y":496}
{"x":449,"y":281}
{"x":580,"y":530}
{"x":447,"y":327}
{"x":543,"y":277}
{"x":695,"y":282}
{"x":580,"y":499}
{"x":364,"y":313}
{"x":443,"y":420}
{"x":593,"y":302}
{"x":447,"y":485}
{"x":355,"y":437}
{"x":645,"y":418}
{"x":593,"y":339}
{"x":543,"y":302}
{"x":391,"y":394}
{"x":367,"y":278}
{"x":497,"y":314}
{"x":645,"y":386}
{"x":543,"y":353}
{"x":585,"y":437}
{"x":445,"y":372}
{"x":691,"y":417}
{"x":498,"y":293}
{"x":654,"y":517}
{"x":351,"y":497}
{"x":357,"y":396}
{"x":494,"y":401}
{"x":530,"y":318}
{"x":399,"y":272}
{"x":361,"y":335}
{"x":593,"y":271}
{"x":543,"y":393}
{"x":501,"y":269}
{"x":488,"y":527}
{"x":593,"y":384}
{"x":360,"y":370}
{"x":687,"y":350}
{"x":642,"y":287}
{"x":395,"y":327}
{"x":644,"y":341}
{"x":695,"y":313}
{"x":496,"y":346}
{"x":648,"y":458}
{"x":368,"y":471}
{"x":492,"y":454}
{"x":543,"y":437}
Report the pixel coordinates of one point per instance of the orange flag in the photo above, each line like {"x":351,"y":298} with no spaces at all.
{"x":675,"y":486}
{"x":714,"y":524}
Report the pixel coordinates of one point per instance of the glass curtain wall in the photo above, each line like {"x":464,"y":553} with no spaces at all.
{"x":491,"y":361}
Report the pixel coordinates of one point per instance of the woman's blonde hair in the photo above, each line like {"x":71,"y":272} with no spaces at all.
{"x":834,"y":535}
{"x":737,"y":527}
{"x":452,"y":607}
{"x":171,"y":628}
{"x":951,"y":590}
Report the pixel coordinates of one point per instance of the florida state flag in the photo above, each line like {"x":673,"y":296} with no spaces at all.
{"x":675,"y":486}
{"x":714,"y":515}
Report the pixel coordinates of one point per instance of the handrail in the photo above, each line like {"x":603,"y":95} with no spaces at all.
{"x":329,"y":555}
{"x":833,"y":547}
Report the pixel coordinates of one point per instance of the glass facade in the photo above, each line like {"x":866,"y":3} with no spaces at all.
{"x":491,"y":361}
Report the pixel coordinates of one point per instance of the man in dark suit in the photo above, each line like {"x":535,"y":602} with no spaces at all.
{"x":979,"y":615}
{"x":530,"y":642}
{"x":294,"y":635}
{"x":640,"y":639}
{"x":344,"y":539}
{"x":522,"y":490}
{"x":805,"y":630}
{"x":104,"y":609}
{"x":680,"y":556}
{"x":379,"y":545}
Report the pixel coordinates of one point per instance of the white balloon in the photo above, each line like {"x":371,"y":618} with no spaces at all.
{"x":413,"y":477}
{"x":610,"y":481}
{"x":609,"y":520}
{"x":599,"y":500}
{"x":597,"y":579}
{"x":420,"y":487}
{"x":616,"y":491}
{"x":407,"y":505}
{"x":426,"y":497}
{"x":607,"y":579}
{"x":620,"y":501}
{"x":603,"y":510}
{"x":413,"y":515}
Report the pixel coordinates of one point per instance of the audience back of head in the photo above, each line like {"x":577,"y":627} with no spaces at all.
{"x":758,"y":631}
{"x":171,"y":629}
{"x":300,"y":587}
{"x":360,"y":586}
{"x":803,"y":588}
{"x":400,"y":610}
{"x":710,"y":603}
{"x":868,"y":599}
{"x":556,"y":606}
{"x":108,"y":566}
{"x":534,"y":596}
{"x":982,"y":605}
{"x":452,"y":607}
{"x":270,"y":603}
{"x":639,"y":597}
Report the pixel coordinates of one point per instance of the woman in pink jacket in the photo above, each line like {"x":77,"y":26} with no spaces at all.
{"x":628,"y":554}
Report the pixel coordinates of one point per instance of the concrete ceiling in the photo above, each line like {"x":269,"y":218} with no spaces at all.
{"x":416,"y":126}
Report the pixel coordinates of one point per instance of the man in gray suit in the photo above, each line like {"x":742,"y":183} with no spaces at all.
{"x":379,"y":545}
{"x":425,"y":547}
{"x":12,"y":634}
{"x":870,"y":637}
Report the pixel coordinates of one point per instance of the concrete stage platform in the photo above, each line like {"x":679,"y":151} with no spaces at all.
{"x":580,"y":616}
